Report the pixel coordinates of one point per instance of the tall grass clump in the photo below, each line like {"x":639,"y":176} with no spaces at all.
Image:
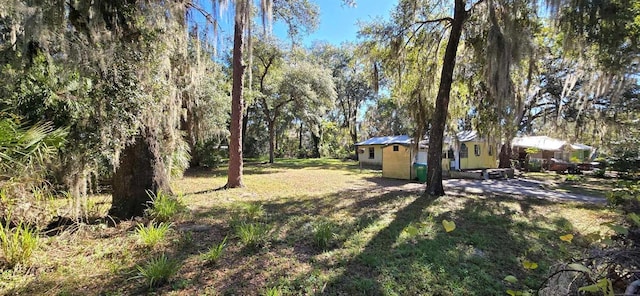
{"x":253,"y":235}
{"x":158,"y":271}
{"x":252,"y":211}
{"x":164,"y":207}
{"x":17,"y":244}
{"x":273,"y":291}
{"x":248,"y":227}
{"x":152,"y":234}
{"x":323,"y":232}
{"x":214,"y":253}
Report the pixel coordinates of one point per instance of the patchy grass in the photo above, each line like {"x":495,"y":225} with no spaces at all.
{"x":331,"y":230}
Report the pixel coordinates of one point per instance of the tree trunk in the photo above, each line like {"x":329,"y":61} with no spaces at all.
{"x":300,"y":138}
{"x":436,"y":135}
{"x":316,"y":145}
{"x":505,"y":156}
{"x":245,"y":122}
{"x":234,"y":175}
{"x":272,"y":140}
{"x":353,"y":131}
{"x":141,"y":170}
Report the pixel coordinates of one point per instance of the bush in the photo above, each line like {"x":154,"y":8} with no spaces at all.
{"x":626,"y":196}
{"x":215,"y":251}
{"x":152,"y":234}
{"x":599,"y":173}
{"x":158,"y":270}
{"x":535,"y":165}
{"x":164,"y":207}
{"x":17,"y":244}
{"x":209,"y":154}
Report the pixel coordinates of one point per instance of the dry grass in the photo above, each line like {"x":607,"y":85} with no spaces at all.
{"x":387,"y":240}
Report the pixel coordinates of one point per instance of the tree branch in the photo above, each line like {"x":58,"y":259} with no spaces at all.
{"x":474,"y":5}
{"x":447,"y":19}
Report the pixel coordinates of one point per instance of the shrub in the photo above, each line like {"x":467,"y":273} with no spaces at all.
{"x":164,"y":207}
{"x":152,"y":234}
{"x":322,"y":234}
{"x":215,"y":251}
{"x":158,"y":270}
{"x":535,"y":165}
{"x":626,"y":196}
{"x":18,"y":244}
{"x":599,"y":173}
{"x":252,"y":235}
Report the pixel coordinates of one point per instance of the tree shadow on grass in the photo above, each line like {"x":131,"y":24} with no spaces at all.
{"x":487,"y":245}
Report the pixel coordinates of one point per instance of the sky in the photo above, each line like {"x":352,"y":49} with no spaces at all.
{"x":338,"y":22}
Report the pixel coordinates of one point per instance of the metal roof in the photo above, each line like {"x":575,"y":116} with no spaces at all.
{"x":402,"y":139}
{"x":539,"y":142}
{"x":578,"y":146}
{"x":463,"y":136}
{"x":466,"y":136}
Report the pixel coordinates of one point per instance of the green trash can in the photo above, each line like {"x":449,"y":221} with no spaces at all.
{"x":421,"y":171}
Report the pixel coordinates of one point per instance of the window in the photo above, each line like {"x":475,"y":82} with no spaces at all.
{"x":464,"y":151}
{"x":490,"y":150}
{"x":396,"y":148}
{"x":447,"y":154}
{"x":372,"y":153}
{"x":476,"y":150}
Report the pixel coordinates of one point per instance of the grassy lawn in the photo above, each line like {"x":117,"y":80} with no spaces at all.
{"x":328,"y":228}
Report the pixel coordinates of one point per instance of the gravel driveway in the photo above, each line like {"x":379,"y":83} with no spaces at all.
{"x":531,"y":188}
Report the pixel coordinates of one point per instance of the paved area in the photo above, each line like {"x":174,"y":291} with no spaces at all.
{"x":530,"y":188}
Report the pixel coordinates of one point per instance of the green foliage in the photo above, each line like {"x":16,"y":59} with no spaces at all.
{"x":152,"y":234}
{"x":252,"y":211}
{"x":248,"y":226}
{"x":574,"y":178}
{"x":626,"y":196}
{"x":387,"y":117}
{"x":273,"y":291}
{"x":214,"y":253}
{"x":253,"y":235}
{"x":531,"y":150}
{"x":164,"y":207}
{"x":600,"y":173}
{"x":18,"y":243}
{"x":25,"y":148}
{"x":158,"y":271}
{"x":180,"y":158}
{"x":209,"y":153}
{"x":535,"y":165}
{"x":323,"y":233}
{"x":603,"y":286}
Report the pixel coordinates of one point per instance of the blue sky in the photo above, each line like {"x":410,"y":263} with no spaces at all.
{"x":338,"y":22}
